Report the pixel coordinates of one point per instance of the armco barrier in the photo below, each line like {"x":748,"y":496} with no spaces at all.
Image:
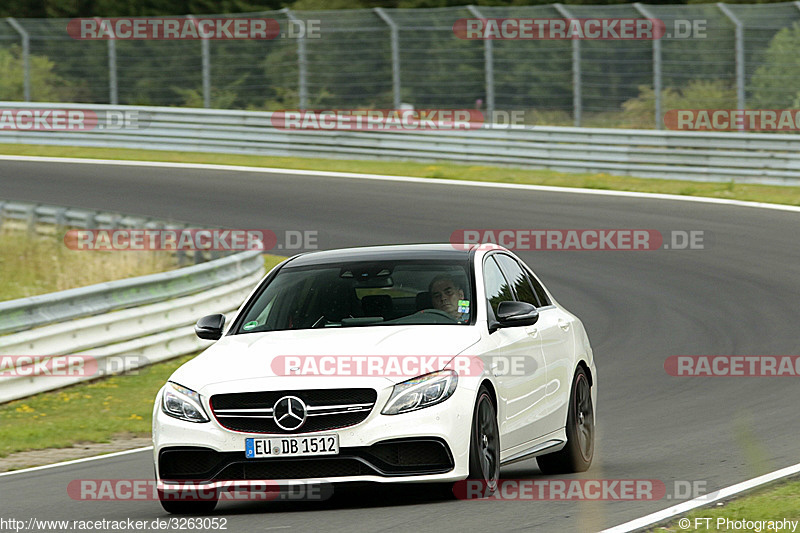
{"x":149,"y":317}
{"x":708,"y":156}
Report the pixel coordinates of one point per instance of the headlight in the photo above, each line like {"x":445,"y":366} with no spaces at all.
{"x":183,"y":403}
{"x":421,"y":392}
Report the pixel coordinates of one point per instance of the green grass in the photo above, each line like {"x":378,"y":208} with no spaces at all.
{"x":729,"y":190}
{"x":89,"y":412}
{"x":39,"y":264}
{"x":774,"y":502}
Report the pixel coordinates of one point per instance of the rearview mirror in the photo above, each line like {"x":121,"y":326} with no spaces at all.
{"x":210,"y":327}
{"x":510,"y":314}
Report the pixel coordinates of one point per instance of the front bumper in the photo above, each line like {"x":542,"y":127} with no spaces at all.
{"x":428,"y":445}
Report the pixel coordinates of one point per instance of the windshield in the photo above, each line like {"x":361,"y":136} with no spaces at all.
{"x":363,"y":294}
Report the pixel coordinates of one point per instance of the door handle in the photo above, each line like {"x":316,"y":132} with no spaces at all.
{"x":494,"y":370}
{"x":563,"y":324}
{"x":532,"y":332}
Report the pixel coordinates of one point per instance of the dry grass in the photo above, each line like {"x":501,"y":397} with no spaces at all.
{"x":39,"y":264}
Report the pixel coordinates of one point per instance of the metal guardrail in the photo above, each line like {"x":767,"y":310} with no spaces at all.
{"x":147,"y":319}
{"x":702,"y":156}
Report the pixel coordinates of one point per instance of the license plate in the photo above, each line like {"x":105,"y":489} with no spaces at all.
{"x":292,"y":446}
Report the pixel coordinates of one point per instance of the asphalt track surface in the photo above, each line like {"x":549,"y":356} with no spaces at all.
{"x":740,"y":297}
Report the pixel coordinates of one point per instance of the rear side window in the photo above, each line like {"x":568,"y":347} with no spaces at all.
{"x":537,"y":287}
{"x":518,"y":279}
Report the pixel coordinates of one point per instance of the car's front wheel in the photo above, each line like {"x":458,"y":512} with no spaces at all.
{"x":484,"y":446}
{"x":576,"y":455}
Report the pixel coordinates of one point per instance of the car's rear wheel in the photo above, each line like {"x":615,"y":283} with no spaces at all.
{"x":187,"y":506}
{"x":576,"y":455}
{"x":484,"y":446}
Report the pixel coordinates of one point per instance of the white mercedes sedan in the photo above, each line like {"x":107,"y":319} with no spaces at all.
{"x":411,"y":363}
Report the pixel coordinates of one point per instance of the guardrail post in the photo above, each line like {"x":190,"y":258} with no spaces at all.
{"x":26,"y":57}
{"x":488,"y":66}
{"x":577,"y":105}
{"x":30,"y":219}
{"x":302,"y":63}
{"x":739,"y":53}
{"x":205,"y":54}
{"x":395,"y":38}
{"x":91,"y":220}
{"x":656,"y":69}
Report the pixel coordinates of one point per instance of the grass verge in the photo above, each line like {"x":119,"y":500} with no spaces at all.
{"x":39,"y":264}
{"x":734,"y":191}
{"x":88,"y":412}
{"x":775,"y":502}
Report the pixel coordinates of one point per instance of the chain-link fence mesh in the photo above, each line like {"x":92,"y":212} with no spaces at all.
{"x":711,"y":56}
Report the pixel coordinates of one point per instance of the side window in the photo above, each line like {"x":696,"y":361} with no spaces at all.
{"x":539,"y":289}
{"x":518,"y":278}
{"x":497,"y":289}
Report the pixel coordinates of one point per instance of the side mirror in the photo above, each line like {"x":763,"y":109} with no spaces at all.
{"x":510,"y":314}
{"x":210,"y":327}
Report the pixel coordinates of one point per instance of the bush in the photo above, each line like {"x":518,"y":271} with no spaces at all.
{"x":46,"y":86}
{"x":698,"y":94}
{"x":775,"y":83}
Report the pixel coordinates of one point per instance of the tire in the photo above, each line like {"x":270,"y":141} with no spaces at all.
{"x":484,"y":445}
{"x":576,"y":455}
{"x":186,"y":506}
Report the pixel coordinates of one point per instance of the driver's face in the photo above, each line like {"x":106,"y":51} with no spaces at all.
{"x":445,"y":297}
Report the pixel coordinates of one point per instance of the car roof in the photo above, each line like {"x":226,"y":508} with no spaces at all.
{"x":383,"y":253}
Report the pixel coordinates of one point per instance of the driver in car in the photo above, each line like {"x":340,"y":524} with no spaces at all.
{"x":445,"y":295}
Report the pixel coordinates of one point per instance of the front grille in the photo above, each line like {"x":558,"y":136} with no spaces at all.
{"x":327,"y":409}
{"x":399,"y":457}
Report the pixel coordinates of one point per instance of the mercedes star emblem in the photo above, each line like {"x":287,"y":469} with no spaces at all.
{"x":289,"y":413}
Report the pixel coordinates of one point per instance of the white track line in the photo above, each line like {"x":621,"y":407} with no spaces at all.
{"x":408,"y":179}
{"x":76,"y":461}
{"x":685,"y":507}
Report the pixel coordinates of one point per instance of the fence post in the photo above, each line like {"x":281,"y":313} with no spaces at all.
{"x":656,"y":68}
{"x":395,"y":37}
{"x":488,"y":63}
{"x":739,"y":53}
{"x":112,"y":72}
{"x":26,"y":57}
{"x":113,"y":93}
{"x":577,"y":106}
{"x":302,"y":88}
{"x":205,"y":51}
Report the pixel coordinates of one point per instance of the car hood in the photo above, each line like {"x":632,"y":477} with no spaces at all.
{"x":258,"y":361}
